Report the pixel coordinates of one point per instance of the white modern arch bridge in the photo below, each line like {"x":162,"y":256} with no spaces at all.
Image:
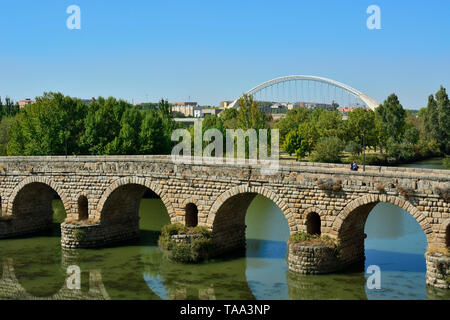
{"x":328,"y":89}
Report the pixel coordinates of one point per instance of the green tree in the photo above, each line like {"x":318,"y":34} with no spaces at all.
{"x":103,"y":124}
{"x":249,"y":116}
{"x":152,"y":137}
{"x":436,"y":119}
{"x":328,"y":123}
{"x":430,"y":119}
{"x":412,"y":135}
{"x":6,"y":125}
{"x":361,"y":126}
{"x":390,"y":120}
{"x":354,"y":148}
{"x":328,"y":149}
{"x":50,"y":126}
{"x":292,"y":142}
{"x":229,"y":118}
{"x":309,"y":133}
{"x":291,"y":122}
{"x":446,"y":162}
{"x":127,"y":142}
{"x":9,"y":108}
{"x":443,"y":129}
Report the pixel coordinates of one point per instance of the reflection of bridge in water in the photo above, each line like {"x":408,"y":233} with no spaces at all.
{"x":160,"y":279}
{"x":10,"y":287}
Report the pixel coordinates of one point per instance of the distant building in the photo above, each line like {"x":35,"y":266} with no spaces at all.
{"x":312,"y":105}
{"x":225,"y":104}
{"x":346,"y":110}
{"x":88,"y":101}
{"x":211,"y":111}
{"x":189,"y":109}
{"x":23,"y":103}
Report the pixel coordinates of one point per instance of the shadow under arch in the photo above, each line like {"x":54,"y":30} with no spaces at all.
{"x":350,"y":225}
{"x":120,"y":205}
{"x":36,"y":181}
{"x":30,"y":206}
{"x":139,"y":182}
{"x":228,"y":213}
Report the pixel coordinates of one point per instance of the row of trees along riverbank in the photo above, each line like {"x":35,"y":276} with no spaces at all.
{"x":59,"y":125}
{"x":390,"y":134}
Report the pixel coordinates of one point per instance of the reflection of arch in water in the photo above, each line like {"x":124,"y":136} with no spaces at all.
{"x":10,"y":287}
{"x":222,"y":280}
{"x":349,"y":286}
{"x":267,"y":234}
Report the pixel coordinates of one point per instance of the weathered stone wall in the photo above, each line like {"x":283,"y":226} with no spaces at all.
{"x":113,"y":185}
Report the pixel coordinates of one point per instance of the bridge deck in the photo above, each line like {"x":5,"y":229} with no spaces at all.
{"x":284,"y":166}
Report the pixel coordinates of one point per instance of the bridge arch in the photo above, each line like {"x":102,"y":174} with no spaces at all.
{"x":37,"y":180}
{"x":371,"y":103}
{"x":269,"y":194}
{"x":374,"y":199}
{"x":142,"y":182}
{"x":227,"y":216}
{"x":349,"y":226}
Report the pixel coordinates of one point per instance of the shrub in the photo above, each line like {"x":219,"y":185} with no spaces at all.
{"x":353,"y":148}
{"x":329,"y":185}
{"x":79,"y":235}
{"x":194,"y":249}
{"x":446,"y":162}
{"x":443,"y":192}
{"x":405,"y":192}
{"x":304,"y":238}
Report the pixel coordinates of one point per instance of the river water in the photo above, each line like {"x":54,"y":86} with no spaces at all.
{"x":38,"y":267}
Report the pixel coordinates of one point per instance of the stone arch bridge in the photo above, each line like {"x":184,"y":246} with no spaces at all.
{"x":101,"y":196}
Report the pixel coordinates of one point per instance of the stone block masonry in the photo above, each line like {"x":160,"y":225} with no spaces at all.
{"x":114,"y":185}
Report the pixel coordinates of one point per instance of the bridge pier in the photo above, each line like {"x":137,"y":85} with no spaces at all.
{"x":98,"y":235}
{"x":438,"y":270}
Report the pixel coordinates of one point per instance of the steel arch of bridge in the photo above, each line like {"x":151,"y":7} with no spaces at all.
{"x":371,"y":103}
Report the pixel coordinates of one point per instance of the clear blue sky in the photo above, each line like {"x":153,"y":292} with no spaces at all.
{"x":216,"y":49}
